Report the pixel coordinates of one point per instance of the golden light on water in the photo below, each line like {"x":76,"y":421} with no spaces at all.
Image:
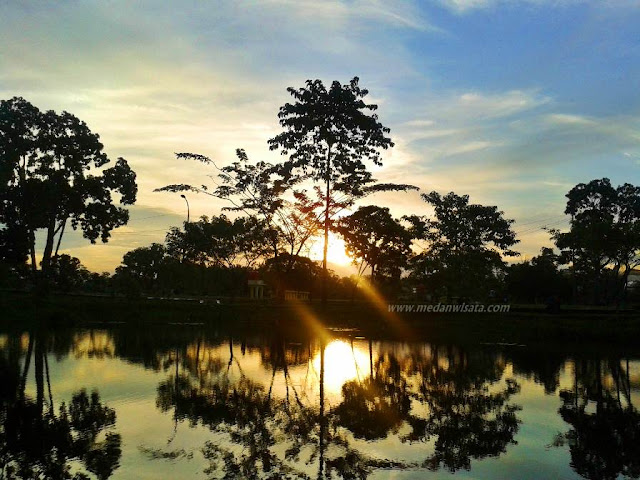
{"x":342,"y":363}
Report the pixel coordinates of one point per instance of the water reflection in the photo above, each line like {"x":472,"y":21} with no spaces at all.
{"x":38,"y":440}
{"x":279,"y":406}
{"x":604,"y":438}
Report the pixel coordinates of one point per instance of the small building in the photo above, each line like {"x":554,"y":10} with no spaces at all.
{"x":256,"y":286}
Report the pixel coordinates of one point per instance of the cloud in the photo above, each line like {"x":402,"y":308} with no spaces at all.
{"x":153,"y":80}
{"x":465,"y":6}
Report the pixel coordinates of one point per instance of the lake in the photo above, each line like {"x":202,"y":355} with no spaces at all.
{"x":189,"y":401}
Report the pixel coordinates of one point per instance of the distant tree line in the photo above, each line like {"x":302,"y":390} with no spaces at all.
{"x":53,"y":174}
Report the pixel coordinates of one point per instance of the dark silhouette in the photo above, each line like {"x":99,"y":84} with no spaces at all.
{"x":49,"y":178}
{"x":328,"y":135}
{"x":39,"y":442}
{"x":376,"y":240}
{"x":603,"y":241}
{"x":465,"y":246}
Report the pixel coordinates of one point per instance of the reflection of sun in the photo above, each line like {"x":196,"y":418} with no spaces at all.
{"x":341,"y":364}
{"x":336,"y":252}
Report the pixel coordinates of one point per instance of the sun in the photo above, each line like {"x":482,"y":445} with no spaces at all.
{"x":336,"y":253}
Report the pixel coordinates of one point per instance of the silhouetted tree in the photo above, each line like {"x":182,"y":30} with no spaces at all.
{"x":219,"y":241}
{"x":67,"y":273}
{"x":286,"y":223}
{"x":537,"y":280}
{"x":143,"y":264}
{"x":328,"y":136}
{"x":374,"y":239}
{"x":465,"y":244}
{"x":603,"y":242}
{"x":51,"y":173}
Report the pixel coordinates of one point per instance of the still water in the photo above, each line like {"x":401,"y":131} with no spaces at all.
{"x":184,"y":401}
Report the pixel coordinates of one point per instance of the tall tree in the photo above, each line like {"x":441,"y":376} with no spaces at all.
{"x":466,"y":243}
{"x":328,"y":135}
{"x":143,"y":264}
{"x":51,"y":173}
{"x":604,"y":236}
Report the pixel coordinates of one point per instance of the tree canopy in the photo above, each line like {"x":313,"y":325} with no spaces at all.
{"x":604,"y":237}
{"x":376,"y":240}
{"x":465,"y":246}
{"x":328,"y":135}
{"x":52,"y":171}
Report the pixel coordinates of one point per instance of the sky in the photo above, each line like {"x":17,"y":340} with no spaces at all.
{"x":512,"y":102}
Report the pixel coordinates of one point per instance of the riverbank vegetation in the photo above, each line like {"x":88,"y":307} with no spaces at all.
{"x":54,"y":176}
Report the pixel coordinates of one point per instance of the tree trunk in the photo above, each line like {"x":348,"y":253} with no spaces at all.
{"x":32,"y":251}
{"x":325,"y":273}
{"x":48,"y":248}
{"x":64,"y":224}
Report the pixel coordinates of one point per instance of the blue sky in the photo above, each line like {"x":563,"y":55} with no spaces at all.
{"x":511,"y":102}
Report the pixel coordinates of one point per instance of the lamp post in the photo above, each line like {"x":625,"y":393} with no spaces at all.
{"x":185,"y":199}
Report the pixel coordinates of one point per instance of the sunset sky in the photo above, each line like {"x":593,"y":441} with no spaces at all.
{"x":512,"y":102}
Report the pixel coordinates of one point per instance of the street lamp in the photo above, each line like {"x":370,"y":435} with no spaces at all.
{"x":185,"y":199}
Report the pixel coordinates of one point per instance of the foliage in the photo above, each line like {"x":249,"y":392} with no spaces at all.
{"x":603,"y":239}
{"x":52,"y":172}
{"x":143,"y":265}
{"x":375,"y":240}
{"x":537,"y":280}
{"x":465,"y":245}
{"x":328,"y":135}
{"x":219,"y":241}
{"x":67,"y":273}
{"x":259,"y":191}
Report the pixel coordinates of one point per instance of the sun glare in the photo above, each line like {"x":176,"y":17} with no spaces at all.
{"x":341,"y":364}
{"x":337,"y":251}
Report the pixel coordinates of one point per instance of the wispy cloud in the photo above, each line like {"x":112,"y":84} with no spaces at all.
{"x":153,"y":79}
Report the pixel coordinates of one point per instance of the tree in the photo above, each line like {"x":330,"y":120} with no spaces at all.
{"x":538,"y":280}
{"x":603,"y":241}
{"x":328,"y":135}
{"x":376,"y":240}
{"x":67,"y":273}
{"x":52,"y":172}
{"x":465,"y":244}
{"x":219,"y":241}
{"x":259,"y":191}
{"x":143,"y":265}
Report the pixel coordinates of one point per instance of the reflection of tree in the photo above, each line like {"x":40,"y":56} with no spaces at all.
{"x":604,"y":439}
{"x":39,"y":442}
{"x":544,"y":369}
{"x":263,"y":435}
{"x":248,"y":415}
{"x":374,"y":407}
{"x":469,"y":418}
